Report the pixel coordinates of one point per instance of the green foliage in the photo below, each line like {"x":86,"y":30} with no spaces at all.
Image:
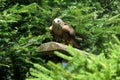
{"x":24,"y":25}
{"x":19,"y":38}
{"x":79,"y":66}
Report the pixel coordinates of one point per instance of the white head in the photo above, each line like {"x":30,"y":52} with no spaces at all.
{"x":57,"y":22}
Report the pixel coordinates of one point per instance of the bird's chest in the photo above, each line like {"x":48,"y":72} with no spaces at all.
{"x":57,"y":30}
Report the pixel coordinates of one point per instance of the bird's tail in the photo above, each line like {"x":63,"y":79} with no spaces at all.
{"x":77,"y":41}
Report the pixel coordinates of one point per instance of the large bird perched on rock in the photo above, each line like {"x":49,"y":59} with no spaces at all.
{"x":63,"y":32}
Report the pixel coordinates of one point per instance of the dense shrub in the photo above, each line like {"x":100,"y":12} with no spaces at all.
{"x":79,"y":67}
{"x":24,"y":25}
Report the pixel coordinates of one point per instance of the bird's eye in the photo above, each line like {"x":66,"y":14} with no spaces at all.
{"x":58,"y":21}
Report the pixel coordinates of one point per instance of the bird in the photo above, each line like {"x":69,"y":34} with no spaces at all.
{"x":63,"y":32}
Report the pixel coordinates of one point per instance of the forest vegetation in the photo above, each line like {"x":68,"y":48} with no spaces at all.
{"x":24,"y":26}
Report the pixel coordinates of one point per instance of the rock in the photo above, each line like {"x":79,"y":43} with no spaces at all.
{"x":46,"y":51}
{"x":49,"y":48}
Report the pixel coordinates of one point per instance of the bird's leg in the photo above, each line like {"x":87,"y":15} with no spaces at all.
{"x":70,"y":42}
{"x":56,"y":38}
{"x":65,"y":39}
{"x":64,"y":42}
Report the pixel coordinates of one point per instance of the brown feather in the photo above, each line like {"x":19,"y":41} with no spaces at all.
{"x":63,"y":32}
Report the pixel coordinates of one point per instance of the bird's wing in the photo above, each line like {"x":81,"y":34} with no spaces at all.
{"x":67,"y":28}
{"x":50,"y":28}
